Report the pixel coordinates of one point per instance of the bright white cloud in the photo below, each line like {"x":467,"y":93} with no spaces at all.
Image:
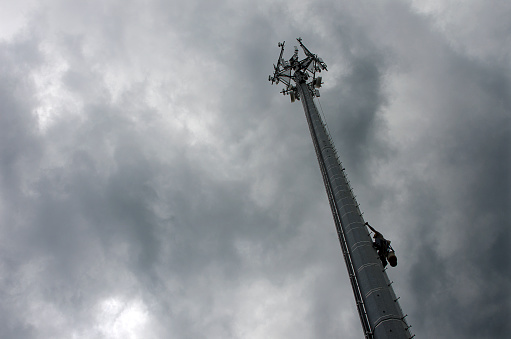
{"x":120,"y":318}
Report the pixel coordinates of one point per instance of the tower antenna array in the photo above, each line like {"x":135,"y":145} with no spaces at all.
{"x":377,"y":305}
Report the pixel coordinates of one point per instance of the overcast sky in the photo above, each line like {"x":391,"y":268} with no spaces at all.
{"x":153,"y":184}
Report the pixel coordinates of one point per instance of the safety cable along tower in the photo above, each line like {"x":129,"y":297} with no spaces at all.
{"x":377,"y":305}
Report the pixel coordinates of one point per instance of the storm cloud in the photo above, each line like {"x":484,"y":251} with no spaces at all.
{"x":154,"y":185}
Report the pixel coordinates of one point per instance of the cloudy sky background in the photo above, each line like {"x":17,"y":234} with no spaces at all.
{"x":154,"y":185}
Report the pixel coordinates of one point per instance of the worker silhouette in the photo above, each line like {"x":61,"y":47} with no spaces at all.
{"x":382,"y":245}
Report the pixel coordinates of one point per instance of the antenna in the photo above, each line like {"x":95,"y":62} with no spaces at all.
{"x":377,"y":305}
{"x":294,"y":70}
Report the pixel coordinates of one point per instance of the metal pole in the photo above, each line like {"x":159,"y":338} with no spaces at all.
{"x":377,"y":305}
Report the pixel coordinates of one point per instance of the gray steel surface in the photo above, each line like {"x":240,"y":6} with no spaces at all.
{"x":379,"y":310}
{"x":377,"y":305}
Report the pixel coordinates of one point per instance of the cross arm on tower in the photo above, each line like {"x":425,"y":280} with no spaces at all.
{"x":294,"y":69}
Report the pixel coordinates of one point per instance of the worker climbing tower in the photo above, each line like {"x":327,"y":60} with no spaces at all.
{"x":377,"y":305}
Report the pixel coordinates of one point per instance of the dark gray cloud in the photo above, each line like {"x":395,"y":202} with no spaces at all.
{"x":153,"y":184}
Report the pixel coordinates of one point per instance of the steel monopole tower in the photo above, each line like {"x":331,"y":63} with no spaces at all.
{"x":377,"y":305}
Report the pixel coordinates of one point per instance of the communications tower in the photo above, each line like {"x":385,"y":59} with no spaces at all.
{"x":377,"y":305}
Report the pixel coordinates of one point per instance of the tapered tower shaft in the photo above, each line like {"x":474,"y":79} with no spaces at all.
{"x":379,"y":311}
